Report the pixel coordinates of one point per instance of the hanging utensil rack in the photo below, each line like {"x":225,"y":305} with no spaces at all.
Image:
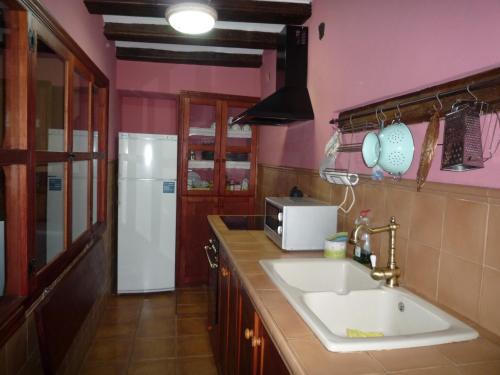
{"x":415,"y":107}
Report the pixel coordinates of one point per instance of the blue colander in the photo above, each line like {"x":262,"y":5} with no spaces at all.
{"x":396,"y":149}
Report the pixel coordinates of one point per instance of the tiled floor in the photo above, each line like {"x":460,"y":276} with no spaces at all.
{"x":152,"y":334}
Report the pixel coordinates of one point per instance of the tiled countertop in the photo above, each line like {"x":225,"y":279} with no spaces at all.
{"x":303,"y":352}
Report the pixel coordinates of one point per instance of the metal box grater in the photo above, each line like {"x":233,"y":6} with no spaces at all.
{"x":462,"y":148}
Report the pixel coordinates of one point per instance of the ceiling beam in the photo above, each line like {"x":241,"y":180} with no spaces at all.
{"x":196,"y":58}
{"x":166,"y":34}
{"x":227,"y":10}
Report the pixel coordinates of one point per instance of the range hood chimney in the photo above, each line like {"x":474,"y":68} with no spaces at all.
{"x":291,"y":100}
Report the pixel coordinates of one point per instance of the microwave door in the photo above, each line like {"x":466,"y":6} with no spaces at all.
{"x":272,"y":220}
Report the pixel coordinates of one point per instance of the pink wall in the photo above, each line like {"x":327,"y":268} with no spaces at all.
{"x":148,"y":115}
{"x":377,"y":49}
{"x":87,"y":31}
{"x":173,"y":78}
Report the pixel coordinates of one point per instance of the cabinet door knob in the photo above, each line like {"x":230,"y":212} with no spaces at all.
{"x":224,"y":272}
{"x":256,"y":341}
{"x":248,"y":333}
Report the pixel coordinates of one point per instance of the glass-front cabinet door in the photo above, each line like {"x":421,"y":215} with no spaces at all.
{"x":238,"y":150}
{"x":201,"y":155}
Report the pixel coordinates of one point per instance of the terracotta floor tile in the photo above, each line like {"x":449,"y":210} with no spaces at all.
{"x":115,"y":330}
{"x":160,"y":300}
{"x":120,"y":315}
{"x":104,"y":368}
{"x":156,"y":327}
{"x":160,"y":312}
{"x":408,"y":359}
{"x":189,"y":346}
{"x":153,"y":348}
{"x":189,"y":298}
{"x":191,"y":326}
{"x":198,"y":366}
{"x":194,"y":289}
{"x":198,"y":310}
{"x":112,"y":349}
{"x":479,"y":350}
{"x":162,"y":367}
{"x":488,"y":368}
{"x":124,"y":301}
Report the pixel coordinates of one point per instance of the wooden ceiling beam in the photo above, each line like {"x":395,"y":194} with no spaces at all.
{"x":227,"y":10}
{"x":196,"y":58}
{"x":166,"y":34}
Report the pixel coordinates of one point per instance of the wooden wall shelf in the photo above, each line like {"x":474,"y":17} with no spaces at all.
{"x":417,"y":107}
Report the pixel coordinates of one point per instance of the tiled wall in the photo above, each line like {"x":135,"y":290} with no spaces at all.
{"x":21,"y":354}
{"x":448,"y":244}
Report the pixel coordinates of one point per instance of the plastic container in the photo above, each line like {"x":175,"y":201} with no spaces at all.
{"x":335,"y":246}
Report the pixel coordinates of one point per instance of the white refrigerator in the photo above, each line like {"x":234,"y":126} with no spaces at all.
{"x":147,"y":185}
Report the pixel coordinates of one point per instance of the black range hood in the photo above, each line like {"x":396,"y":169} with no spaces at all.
{"x":291,"y":101}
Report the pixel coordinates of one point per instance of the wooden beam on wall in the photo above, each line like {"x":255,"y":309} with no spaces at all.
{"x":196,"y":58}
{"x":417,"y":106}
{"x":166,"y":34}
{"x":227,"y":10}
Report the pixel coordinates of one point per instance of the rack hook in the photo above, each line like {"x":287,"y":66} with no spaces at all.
{"x":471,"y":94}
{"x":382,"y":122}
{"x":350,"y":122}
{"x":440,"y":103}
{"x":398,"y":116}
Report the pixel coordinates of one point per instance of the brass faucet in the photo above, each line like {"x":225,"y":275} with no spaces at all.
{"x":392,"y":272}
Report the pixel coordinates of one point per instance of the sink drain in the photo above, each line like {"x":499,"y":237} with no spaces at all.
{"x":401,"y":306}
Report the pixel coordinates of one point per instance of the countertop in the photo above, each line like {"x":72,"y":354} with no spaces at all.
{"x":303,"y":352}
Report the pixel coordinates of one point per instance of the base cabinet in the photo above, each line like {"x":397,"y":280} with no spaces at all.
{"x":194,"y":233}
{"x":239,"y":340}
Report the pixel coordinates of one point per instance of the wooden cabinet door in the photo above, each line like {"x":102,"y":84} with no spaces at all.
{"x":270,"y":359}
{"x":248,"y":357}
{"x":236,"y":206}
{"x":234,"y":323}
{"x":224,"y":316}
{"x":192,"y":267}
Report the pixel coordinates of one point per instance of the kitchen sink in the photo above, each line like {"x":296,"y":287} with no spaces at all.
{"x":334,"y":296}
{"x":320,"y":275}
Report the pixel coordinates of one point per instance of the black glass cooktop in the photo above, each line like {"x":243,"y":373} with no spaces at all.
{"x":234,"y":222}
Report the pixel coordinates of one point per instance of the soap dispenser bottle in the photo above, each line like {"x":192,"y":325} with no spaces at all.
{"x":362,"y":251}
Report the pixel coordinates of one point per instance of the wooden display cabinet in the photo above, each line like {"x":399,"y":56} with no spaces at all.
{"x":217,"y":173}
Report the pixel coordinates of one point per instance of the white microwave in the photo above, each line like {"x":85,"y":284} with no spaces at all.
{"x":299,"y":223}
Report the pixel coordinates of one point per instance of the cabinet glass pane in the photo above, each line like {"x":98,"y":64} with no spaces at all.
{"x":95,"y":202}
{"x":3,"y":217}
{"x":96,"y":115}
{"x":237,"y":171}
{"x":202,"y":124}
{"x":50,"y":82}
{"x":80,"y":113}
{"x":79,"y":198}
{"x":50,"y":184}
{"x":200,"y":175}
{"x":238,"y":135}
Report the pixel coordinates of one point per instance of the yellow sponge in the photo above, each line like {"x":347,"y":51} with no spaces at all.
{"x":357,"y":333}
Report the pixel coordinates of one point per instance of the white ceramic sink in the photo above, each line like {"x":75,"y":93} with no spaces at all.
{"x":334,"y":295}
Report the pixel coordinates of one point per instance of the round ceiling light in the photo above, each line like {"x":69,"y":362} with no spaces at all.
{"x":191,"y":18}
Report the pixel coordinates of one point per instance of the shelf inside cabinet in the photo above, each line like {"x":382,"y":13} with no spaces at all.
{"x":239,"y":133}
{"x":201,"y":164}
{"x":205,"y":132}
{"x":238,"y":165}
